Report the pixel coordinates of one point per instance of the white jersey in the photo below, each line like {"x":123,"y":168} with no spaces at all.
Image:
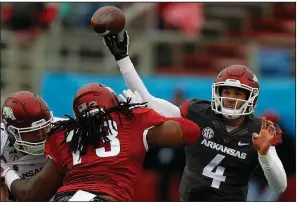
{"x":25,"y":165}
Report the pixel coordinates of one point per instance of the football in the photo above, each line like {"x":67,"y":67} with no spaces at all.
{"x":108,"y":20}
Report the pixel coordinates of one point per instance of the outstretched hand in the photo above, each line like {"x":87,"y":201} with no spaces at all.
{"x":264,"y":139}
{"x":117,"y":47}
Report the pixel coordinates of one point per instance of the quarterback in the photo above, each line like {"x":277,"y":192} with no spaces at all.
{"x":233,"y":141}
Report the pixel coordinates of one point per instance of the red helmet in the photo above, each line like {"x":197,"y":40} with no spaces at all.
{"x":93,"y":93}
{"x":26,"y":114}
{"x":235,"y":76}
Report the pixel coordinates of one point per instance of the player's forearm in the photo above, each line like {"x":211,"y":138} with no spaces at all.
{"x":19,"y":189}
{"x":274,"y":170}
{"x":132,"y":78}
{"x":135,"y":83}
{"x":23,"y":189}
{"x":28,"y":190}
{"x":15,"y":184}
{"x":3,"y":194}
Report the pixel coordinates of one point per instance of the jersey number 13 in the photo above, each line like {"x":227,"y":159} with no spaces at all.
{"x":101,"y":151}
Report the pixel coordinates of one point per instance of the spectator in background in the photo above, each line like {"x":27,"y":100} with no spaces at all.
{"x":79,"y":14}
{"x":85,"y":11}
{"x":28,"y":20}
{"x":28,"y":24}
{"x":187,"y":17}
{"x":179,"y":97}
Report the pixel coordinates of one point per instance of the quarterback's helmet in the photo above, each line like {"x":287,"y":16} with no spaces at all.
{"x":237,"y":76}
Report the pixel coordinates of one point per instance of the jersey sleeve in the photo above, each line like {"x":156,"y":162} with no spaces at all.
{"x":193,"y":106}
{"x":278,"y":138}
{"x":184,"y":108}
{"x":147,"y":119}
{"x":150,"y":118}
{"x":191,"y":131}
{"x":51,"y":151}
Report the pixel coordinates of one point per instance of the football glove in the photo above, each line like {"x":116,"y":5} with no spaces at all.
{"x":135,"y":97}
{"x":117,"y":47}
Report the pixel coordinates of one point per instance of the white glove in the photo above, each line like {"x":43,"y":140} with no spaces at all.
{"x":135,"y":97}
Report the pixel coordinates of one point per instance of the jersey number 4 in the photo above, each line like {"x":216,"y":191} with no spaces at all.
{"x":114,"y":144}
{"x":216,"y":175}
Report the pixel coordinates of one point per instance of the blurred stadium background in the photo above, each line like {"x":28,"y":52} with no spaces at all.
{"x":178,"y":48}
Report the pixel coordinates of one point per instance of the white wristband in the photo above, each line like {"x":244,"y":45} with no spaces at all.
{"x":10,"y":176}
{"x":266,"y":161}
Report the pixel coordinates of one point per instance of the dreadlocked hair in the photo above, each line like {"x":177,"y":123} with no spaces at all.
{"x":90,"y":127}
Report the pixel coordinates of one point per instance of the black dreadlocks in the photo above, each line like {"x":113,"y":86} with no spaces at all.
{"x":91,"y":126}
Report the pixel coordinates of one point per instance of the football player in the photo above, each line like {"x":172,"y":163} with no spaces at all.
{"x":99,"y":154}
{"x":220,"y":164}
{"x":26,"y":118}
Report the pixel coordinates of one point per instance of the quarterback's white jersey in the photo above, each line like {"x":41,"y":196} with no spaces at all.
{"x":24,"y":164}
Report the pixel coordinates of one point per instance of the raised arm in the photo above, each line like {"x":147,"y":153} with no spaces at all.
{"x":119,"y":49}
{"x":265,"y":143}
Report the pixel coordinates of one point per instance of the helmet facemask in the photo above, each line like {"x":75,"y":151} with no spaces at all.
{"x":246,"y":108}
{"x":33,"y":148}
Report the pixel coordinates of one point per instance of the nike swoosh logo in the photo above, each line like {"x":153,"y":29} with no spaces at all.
{"x":242,"y":144}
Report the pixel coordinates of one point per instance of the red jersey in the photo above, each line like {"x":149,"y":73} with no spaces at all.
{"x":114,"y":166}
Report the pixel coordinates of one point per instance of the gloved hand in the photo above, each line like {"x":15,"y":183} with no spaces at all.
{"x":117,"y":47}
{"x":135,"y":97}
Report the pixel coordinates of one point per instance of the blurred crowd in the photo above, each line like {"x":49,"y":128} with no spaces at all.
{"x":258,"y":22}
{"x":226,"y":32}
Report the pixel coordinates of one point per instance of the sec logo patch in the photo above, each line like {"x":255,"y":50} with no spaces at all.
{"x":207,"y":133}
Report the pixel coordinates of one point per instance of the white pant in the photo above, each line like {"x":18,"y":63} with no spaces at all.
{"x":82,"y":196}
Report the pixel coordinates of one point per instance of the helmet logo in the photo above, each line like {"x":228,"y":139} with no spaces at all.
{"x":8,"y":113}
{"x":232,"y":81}
{"x":84,"y":106}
